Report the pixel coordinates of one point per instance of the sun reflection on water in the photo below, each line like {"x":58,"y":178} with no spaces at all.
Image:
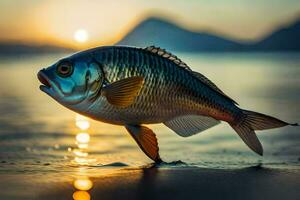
{"x":82,"y":140}
{"x":82,"y":122}
{"x":82,"y":184}
{"x":81,"y":195}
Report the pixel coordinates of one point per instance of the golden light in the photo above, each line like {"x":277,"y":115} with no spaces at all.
{"x":83,"y":137}
{"x":82,"y":146}
{"x":81,"y":36}
{"x":82,"y":142}
{"x":81,"y":195}
{"x":82,"y":122}
{"x":83,"y":184}
{"x":80,"y":153}
{"x":81,"y":161}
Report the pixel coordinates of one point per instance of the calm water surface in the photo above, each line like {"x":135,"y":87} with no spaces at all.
{"x":39,"y":137}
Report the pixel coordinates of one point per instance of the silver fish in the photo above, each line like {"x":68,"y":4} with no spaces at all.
{"x":132,"y":86}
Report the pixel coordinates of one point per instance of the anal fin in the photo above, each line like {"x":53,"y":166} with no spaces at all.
{"x":188,"y":125}
{"x":146,"y":139}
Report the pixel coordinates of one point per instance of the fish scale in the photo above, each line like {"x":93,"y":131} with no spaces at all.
{"x":168,"y":89}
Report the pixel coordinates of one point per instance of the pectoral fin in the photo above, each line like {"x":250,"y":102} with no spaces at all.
{"x":146,"y":140}
{"x":123,"y":92}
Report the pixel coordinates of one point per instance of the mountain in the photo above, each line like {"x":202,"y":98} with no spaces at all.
{"x":165,"y":34}
{"x":16,"y":48}
{"x":159,"y":32}
{"x":283,"y":39}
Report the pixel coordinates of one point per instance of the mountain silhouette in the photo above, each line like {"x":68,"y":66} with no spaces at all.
{"x":283,"y":39}
{"x":7,"y":48}
{"x":168,"y":35}
{"x":160,"y":32}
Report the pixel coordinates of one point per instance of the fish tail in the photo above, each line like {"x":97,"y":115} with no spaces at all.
{"x":251,"y":121}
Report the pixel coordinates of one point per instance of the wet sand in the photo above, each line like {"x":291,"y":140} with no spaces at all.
{"x":159,"y":183}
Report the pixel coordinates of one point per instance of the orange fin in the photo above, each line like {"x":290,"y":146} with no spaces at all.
{"x":146,"y":139}
{"x":123,"y":92}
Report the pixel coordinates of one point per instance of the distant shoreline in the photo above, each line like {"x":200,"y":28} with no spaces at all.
{"x":26,"y":49}
{"x":23,"y":50}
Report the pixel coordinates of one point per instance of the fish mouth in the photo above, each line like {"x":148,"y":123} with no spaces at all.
{"x":46,"y":83}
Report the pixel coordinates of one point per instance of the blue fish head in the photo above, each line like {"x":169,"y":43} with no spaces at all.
{"x":72,"y":81}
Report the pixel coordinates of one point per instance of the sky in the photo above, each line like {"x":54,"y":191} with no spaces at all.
{"x":107,"y":21}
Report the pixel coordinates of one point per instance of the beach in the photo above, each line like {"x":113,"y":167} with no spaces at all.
{"x":49,"y":152}
{"x":158,"y":183}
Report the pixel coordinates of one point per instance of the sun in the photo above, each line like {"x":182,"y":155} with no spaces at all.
{"x":81,"y":35}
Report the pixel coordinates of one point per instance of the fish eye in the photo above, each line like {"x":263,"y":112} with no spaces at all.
{"x":64,"y":69}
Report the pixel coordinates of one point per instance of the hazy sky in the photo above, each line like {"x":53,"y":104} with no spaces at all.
{"x":55,"y":21}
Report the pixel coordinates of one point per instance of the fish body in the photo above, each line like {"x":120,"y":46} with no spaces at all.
{"x":133,"y":86}
{"x":168,"y":90}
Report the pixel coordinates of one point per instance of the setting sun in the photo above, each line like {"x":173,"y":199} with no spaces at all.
{"x":81,"y":36}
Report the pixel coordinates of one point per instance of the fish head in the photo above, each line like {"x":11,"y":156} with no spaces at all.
{"x":72,"y":81}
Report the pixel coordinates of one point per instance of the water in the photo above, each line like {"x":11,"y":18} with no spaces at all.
{"x":38,"y":136}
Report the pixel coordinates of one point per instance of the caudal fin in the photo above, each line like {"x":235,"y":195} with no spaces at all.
{"x":256,"y":121}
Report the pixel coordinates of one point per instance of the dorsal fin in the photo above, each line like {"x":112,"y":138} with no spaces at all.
{"x":208,"y":82}
{"x":162,"y":52}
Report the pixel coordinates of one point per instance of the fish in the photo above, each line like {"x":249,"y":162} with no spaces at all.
{"x":134,"y":86}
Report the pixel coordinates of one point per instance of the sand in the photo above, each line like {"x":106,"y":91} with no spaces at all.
{"x":164,"y":183}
